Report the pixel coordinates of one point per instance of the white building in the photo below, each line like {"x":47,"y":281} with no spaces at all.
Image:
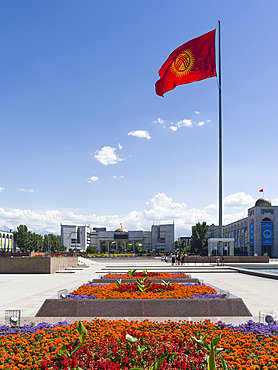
{"x":75,"y":237}
{"x":160,"y":238}
{"x":255,"y":234}
{"x":6,"y":241}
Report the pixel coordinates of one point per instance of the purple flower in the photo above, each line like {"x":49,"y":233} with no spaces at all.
{"x":254,"y":327}
{"x":32,"y":328}
{"x":80,"y":296}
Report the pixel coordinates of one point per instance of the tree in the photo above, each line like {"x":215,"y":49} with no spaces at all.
{"x":199,"y":239}
{"x":22,"y":238}
{"x":91,"y":250}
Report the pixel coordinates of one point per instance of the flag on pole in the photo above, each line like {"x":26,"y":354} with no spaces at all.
{"x":261,"y":190}
{"x":193,"y":61}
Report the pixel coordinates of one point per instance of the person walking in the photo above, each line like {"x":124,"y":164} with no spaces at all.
{"x":173,"y":259}
{"x":182,"y":259}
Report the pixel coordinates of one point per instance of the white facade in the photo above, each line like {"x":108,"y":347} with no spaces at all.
{"x":163,"y":238}
{"x":160,"y":238}
{"x":6,"y":241}
{"x":75,"y":237}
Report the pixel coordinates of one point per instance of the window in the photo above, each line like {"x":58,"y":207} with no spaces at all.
{"x":264,"y":211}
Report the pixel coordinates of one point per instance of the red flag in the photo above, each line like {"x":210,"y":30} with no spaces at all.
{"x":193,"y":61}
{"x":261,"y":190}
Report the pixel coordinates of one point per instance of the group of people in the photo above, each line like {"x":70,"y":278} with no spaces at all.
{"x":178,"y":259}
{"x":220,"y":261}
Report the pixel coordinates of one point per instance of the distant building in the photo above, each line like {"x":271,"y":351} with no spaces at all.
{"x":186,"y":239}
{"x":6,"y":241}
{"x":255,"y":234}
{"x":75,"y":237}
{"x":159,"y":239}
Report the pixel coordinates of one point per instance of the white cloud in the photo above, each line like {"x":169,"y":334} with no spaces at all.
{"x":239,"y":200}
{"x":142,"y":134}
{"x":159,"y":209}
{"x":93,"y":179}
{"x":1,"y":189}
{"x":118,"y":177}
{"x":120,"y":146}
{"x":161,"y":206}
{"x":107,"y":155}
{"x":26,"y":190}
{"x":184,"y":123}
{"x":234,"y":206}
{"x":160,"y":121}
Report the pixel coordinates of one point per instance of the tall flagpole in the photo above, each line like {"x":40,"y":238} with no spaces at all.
{"x":220,"y":139}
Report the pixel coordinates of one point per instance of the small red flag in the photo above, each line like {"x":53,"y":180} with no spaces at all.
{"x":193,"y":61}
{"x":261,"y":190}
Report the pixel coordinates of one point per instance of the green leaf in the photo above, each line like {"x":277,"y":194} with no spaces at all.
{"x":119,"y":283}
{"x":165,"y":283}
{"x":211,"y":359}
{"x":77,"y":348}
{"x":142,"y":289}
{"x":159,"y":361}
{"x":203,"y":336}
{"x":64,"y":351}
{"x":141,"y":349}
{"x":201,"y":343}
{"x":136,"y":368}
{"x":224,"y":363}
{"x":131,"y":272}
{"x":82,"y":331}
{"x":215,"y":341}
{"x":131,"y":339}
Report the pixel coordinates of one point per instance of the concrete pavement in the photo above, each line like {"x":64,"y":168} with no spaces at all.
{"x":28,"y":292}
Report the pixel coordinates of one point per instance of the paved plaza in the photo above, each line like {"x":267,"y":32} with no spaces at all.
{"x":28,"y":292}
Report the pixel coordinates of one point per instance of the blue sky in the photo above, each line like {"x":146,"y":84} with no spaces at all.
{"x":85,"y":139}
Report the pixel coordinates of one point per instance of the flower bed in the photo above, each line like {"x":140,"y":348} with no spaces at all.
{"x":247,"y":347}
{"x":158,"y":277}
{"x":108,"y":255}
{"x":152,"y":291}
{"x":149,"y":275}
{"x":143,"y":298}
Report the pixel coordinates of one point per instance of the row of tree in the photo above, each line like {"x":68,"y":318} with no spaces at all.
{"x":27,"y":241}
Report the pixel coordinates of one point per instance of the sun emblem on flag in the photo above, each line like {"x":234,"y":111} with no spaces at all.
{"x":183,"y":64}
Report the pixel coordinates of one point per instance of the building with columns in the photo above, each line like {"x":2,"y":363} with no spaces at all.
{"x":255,"y":234}
{"x":6,"y":241}
{"x":160,"y":238}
